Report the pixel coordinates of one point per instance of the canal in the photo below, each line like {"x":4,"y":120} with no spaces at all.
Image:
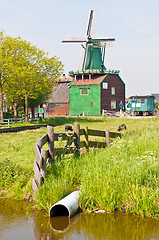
{"x":19,"y":220}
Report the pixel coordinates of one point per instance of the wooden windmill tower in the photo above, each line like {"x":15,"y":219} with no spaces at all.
{"x":94,"y":88}
{"x":94,"y":48}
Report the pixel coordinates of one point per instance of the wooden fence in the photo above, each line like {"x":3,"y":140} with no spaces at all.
{"x":9,"y":121}
{"x":42,"y":155}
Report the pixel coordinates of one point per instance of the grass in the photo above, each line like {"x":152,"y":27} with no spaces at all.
{"x":123,"y":177}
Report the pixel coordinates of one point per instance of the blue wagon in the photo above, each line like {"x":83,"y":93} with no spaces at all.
{"x":141,"y":105}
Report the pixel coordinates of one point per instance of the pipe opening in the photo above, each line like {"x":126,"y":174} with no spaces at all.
{"x":59,"y":210}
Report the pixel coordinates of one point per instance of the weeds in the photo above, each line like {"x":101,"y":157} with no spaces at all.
{"x":13,"y":178}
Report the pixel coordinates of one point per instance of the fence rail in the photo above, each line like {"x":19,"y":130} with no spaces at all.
{"x":42,"y":155}
{"x":7,"y":122}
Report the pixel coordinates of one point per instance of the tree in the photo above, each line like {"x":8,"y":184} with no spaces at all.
{"x":40,"y":99}
{"x":157,"y":105}
{"x":28,"y":70}
{"x":2,"y":79}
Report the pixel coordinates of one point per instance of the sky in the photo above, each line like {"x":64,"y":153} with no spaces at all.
{"x":133,"y":23}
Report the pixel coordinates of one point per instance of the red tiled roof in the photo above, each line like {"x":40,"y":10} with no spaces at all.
{"x":95,"y":80}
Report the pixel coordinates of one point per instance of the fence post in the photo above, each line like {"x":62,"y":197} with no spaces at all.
{"x":50,"y":131}
{"x":8,"y":122}
{"x":107,"y":137}
{"x":77,"y":141}
{"x":37,"y":180}
{"x":86,"y":137}
{"x":39,"y":142}
{"x":44,"y":159}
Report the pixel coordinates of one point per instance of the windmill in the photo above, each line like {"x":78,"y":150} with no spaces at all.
{"x":94,"y":48}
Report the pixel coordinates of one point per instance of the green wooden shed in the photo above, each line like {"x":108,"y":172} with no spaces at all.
{"x":92,"y":92}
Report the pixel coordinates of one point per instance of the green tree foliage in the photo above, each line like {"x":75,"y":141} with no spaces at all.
{"x":26,"y":72}
{"x":2,"y":80}
{"x":33,"y":103}
{"x":156,"y":105}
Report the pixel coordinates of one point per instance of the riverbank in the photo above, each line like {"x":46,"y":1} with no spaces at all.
{"x":123,"y":177}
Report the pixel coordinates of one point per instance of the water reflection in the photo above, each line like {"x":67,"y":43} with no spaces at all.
{"x":62,"y":223}
{"x":18,"y":220}
{"x":15,"y":220}
{"x":119,"y":226}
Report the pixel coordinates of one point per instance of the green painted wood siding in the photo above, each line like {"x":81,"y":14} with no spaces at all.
{"x":82,"y":103}
{"x":151,"y":104}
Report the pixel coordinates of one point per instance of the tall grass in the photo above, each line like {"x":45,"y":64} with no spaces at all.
{"x":125,"y":177}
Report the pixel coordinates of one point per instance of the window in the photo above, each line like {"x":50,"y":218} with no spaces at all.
{"x":91,"y":104}
{"x":84,"y":91}
{"x":142,"y":101}
{"x":51,"y":105}
{"x":138,"y":105}
{"x":113,"y":104}
{"x":113,"y":90}
{"x":105,"y":85}
{"x":58,"y":105}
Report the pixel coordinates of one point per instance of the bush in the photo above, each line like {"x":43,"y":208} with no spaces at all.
{"x":10,"y":173}
{"x":8,"y":115}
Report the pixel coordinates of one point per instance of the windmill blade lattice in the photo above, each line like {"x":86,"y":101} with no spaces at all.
{"x":67,"y":39}
{"x":92,"y":23}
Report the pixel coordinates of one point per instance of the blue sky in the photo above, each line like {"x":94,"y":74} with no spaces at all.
{"x":133,"y":23}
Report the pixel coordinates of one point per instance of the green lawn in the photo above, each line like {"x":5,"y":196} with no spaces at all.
{"x":123,"y":177}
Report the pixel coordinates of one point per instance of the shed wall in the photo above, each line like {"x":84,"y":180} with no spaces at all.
{"x":83,"y":103}
{"x":113,"y":80}
{"x":54,"y":110}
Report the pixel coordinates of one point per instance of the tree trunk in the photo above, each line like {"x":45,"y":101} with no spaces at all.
{"x":1,"y":101}
{"x":32,"y":112}
{"x":15,"y":107}
{"x":26,"y":109}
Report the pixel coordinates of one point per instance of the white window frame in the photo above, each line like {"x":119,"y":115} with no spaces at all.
{"x":105,"y":85}
{"x":113,"y":90}
{"x":113,"y":104}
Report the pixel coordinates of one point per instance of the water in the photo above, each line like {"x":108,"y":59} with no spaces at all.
{"x":18,"y":220}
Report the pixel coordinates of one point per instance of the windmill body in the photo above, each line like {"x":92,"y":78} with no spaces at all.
{"x":94,"y":58}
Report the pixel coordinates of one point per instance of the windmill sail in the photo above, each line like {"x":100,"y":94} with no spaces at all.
{"x":103,"y":39}
{"x":67,"y":39}
{"x":84,"y":57}
{"x":92,"y":24}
